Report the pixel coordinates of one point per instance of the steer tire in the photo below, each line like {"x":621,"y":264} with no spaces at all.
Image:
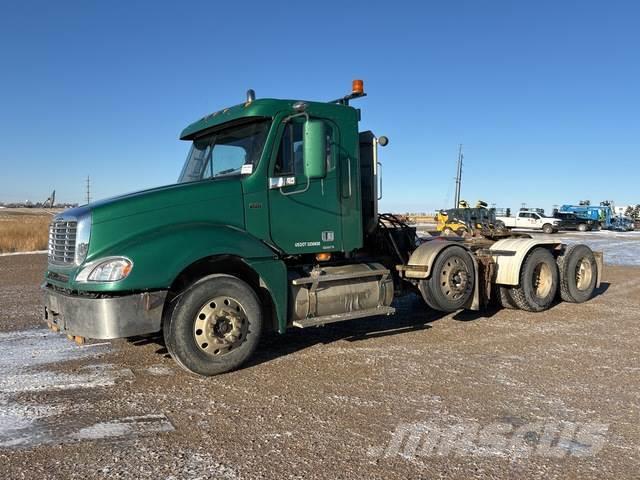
{"x":214,"y":325}
{"x":452,"y":281}
{"x":505,"y":299}
{"x":578,"y":274}
{"x":547,"y":228}
{"x":538,"y":282}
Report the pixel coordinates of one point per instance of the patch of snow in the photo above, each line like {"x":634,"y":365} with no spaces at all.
{"x":620,"y":248}
{"x":159,"y":370}
{"x":125,"y":427}
{"x":30,"y":362}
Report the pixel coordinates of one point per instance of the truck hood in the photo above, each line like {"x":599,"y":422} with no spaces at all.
{"x":119,"y":221}
{"x":178,"y":201}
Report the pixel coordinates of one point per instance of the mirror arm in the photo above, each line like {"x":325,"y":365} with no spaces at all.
{"x":295,"y":115}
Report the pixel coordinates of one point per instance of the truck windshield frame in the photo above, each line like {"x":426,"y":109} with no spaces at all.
{"x":225,"y":151}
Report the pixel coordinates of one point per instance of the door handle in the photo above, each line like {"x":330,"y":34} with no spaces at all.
{"x":349,"y":176}
{"x":302,"y":190}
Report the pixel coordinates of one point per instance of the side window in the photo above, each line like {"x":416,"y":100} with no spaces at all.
{"x":290,"y":154}
{"x":290,"y":160}
{"x":331,"y":164}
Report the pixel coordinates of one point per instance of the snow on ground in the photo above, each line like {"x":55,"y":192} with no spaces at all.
{"x":31,"y":361}
{"x":620,"y":248}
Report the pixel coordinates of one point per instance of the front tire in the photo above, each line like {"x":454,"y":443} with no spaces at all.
{"x":582,"y":227}
{"x":538,"y":282}
{"x":215,"y":326}
{"x":547,"y":228}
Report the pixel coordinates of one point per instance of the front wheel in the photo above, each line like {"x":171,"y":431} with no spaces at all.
{"x":547,"y":228}
{"x":582,"y":227}
{"x":215,"y":326}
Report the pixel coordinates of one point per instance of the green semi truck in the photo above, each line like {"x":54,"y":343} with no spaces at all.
{"x":274,"y":224}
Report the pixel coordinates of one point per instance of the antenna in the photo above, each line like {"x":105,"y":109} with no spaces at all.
{"x":458,"y":177}
{"x":88,"y":189}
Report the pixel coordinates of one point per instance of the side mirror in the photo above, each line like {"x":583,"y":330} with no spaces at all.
{"x":315,"y":149}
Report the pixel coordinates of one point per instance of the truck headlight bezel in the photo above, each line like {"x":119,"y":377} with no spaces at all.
{"x":105,"y":270}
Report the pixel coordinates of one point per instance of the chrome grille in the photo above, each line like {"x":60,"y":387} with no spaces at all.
{"x":62,"y":241}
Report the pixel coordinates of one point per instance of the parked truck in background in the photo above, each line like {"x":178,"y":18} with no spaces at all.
{"x":531,"y":219}
{"x":570,"y":221}
{"x":599,"y":215}
{"x":273,"y":224}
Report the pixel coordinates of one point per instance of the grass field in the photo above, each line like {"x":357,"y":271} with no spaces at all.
{"x":23,"y":231}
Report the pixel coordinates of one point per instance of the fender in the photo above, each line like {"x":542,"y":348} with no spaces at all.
{"x":160,"y":254}
{"x":509,"y":253}
{"x":424,"y":256}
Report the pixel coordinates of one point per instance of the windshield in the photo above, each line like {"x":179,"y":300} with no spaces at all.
{"x":224,"y":152}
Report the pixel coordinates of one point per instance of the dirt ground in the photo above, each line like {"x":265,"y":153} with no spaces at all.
{"x":505,"y":394}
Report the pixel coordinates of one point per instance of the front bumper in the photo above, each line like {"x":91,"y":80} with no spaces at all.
{"x":104,"y":318}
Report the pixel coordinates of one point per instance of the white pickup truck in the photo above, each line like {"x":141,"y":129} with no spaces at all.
{"x":531,"y":221}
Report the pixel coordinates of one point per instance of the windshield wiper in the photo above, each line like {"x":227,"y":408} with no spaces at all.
{"x":227,"y":171}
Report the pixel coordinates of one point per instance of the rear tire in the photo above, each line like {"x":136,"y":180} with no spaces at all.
{"x":452,"y":280}
{"x":547,"y":228}
{"x":582,"y":227}
{"x":538,"y":282}
{"x":214,"y":326}
{"x":505,"y":298}
{"x":578,"y":274}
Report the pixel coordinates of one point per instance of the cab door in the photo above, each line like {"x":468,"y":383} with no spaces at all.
{"x":305,"y":214}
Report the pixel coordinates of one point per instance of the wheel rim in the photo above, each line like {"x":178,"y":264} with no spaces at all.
{"x":454,"y":278}
{"x":220,"y":326}
{"x":542,"y":280}
{"x":584,"y":274}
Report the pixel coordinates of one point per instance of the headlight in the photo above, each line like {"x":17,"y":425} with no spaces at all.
{"x":83,"y":234}
{"x":110,"y":269}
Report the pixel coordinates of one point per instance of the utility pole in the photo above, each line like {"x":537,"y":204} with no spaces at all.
{"x":458,"y":177}
{"x":88,"y":190}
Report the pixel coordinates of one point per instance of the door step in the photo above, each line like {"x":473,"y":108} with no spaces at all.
{"x":341,"y":317}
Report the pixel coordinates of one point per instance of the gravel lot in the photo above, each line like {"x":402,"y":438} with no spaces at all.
{"x":497,"y":395}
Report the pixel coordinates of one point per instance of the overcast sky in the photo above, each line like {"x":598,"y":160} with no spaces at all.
{"x":544,"y":95}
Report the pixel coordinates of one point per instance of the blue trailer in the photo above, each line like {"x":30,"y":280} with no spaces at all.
{"x":600,"y":215}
